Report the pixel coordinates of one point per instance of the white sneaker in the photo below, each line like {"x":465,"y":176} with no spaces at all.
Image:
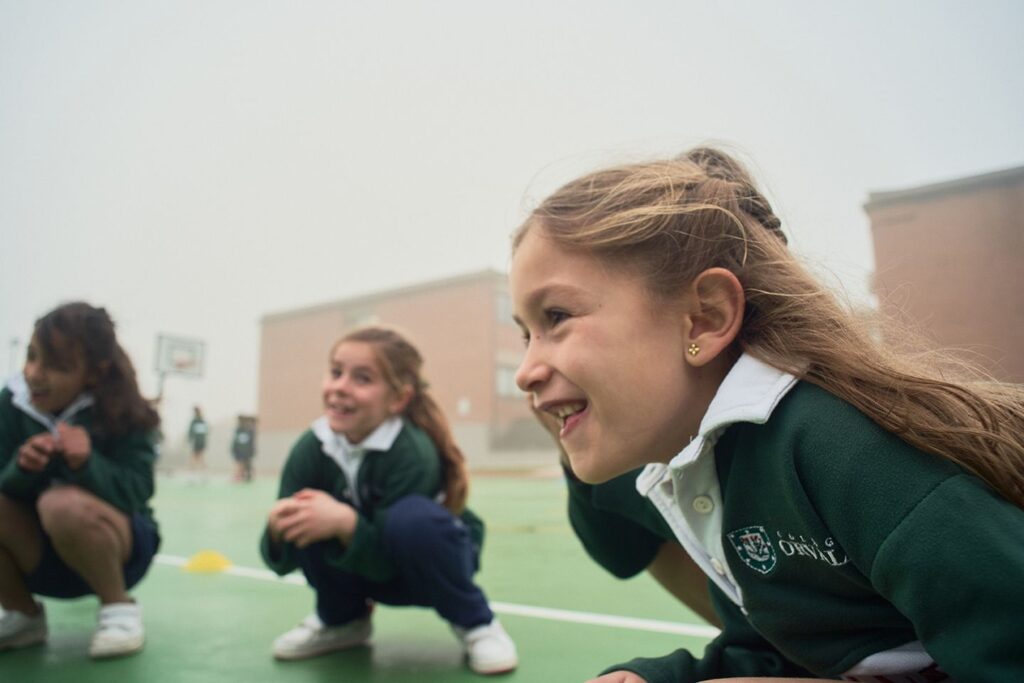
{"x":489,"y":650}
{"x":312,"y":638}
{"x":18,"y":629}
{"x":118,"y":630}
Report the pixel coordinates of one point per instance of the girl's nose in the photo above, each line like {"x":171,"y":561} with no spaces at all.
{"x":533,"y":371}
{"x":31,"y":371}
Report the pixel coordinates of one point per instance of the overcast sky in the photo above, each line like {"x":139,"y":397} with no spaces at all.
{"x":195,"y":165}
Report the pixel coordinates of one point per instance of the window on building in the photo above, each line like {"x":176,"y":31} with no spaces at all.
{"x":360,"y":317}
{"x":505,"y":381}
{"x":503,"y":308}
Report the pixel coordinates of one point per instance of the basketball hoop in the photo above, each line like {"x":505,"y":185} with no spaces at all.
{"x":178,"y":356}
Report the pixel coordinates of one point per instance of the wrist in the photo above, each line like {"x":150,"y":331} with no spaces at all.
{"x":347,"y":522}
{"x":75,"y":462}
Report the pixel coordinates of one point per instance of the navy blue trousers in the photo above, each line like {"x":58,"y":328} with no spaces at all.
{"x":435,"y":559}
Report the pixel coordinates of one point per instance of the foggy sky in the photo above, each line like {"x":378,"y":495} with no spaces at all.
{"x":195,"y":165}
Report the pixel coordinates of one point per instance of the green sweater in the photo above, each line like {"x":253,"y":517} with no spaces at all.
{"x":619,"y":529}
{"x":119,"y":470}
{"x":845,"y":542}
{"x":622,"y":531}
{"x":410,"y":466}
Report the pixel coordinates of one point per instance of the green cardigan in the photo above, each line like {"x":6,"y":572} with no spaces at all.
{"x":410,"y":466}
{"x":846,"y":542}
{"x":119,"y":469}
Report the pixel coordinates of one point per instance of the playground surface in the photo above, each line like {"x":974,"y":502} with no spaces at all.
{"x":569,"y":618}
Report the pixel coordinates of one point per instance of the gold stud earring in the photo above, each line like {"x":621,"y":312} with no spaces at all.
{"x":693,"y":349}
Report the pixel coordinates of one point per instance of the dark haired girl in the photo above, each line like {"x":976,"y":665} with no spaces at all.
{"x":77,"y":447}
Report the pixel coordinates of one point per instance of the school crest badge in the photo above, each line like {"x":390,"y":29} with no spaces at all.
{"x":754,"y":547}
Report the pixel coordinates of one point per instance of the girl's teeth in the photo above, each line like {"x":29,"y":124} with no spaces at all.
{"x":567,"y":410}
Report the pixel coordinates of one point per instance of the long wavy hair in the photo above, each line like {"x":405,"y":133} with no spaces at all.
{"x":79,"y":331}
{"x":666,"y":221}
{"x":401,"y":365}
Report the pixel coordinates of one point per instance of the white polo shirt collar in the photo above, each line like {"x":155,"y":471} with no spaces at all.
{"x":349,"y":456}
{"x":21,"y":397}
{"x":686,"y":491}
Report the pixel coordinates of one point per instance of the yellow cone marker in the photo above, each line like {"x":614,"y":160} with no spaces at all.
{"x":207,"y":562}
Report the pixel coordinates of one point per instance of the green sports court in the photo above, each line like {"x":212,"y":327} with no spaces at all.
{"x":568,"y":617}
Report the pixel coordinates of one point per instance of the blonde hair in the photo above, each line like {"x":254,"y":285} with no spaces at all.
{"x":667,"y":221}
{"x":401,"y":364}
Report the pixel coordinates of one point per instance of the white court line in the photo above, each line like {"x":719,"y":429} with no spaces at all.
{"x":499,"y":607}
{"x":605,"y":620}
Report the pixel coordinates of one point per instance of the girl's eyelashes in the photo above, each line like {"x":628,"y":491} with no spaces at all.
{"x":356,"y":376}
{"x":555,"y":316}
{"x":552,"y":318}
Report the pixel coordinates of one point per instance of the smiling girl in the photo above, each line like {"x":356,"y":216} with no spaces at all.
{"x":76,"y":474}
{"x":830,"y":487}
{"x":372,"y":507}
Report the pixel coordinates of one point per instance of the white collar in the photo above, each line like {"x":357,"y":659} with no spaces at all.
{"x":338,"y":446}
{"x":749,"y":393}
{"x":21,"y":397}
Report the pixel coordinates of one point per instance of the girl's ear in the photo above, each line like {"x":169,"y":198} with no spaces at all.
{"x":715,"y":317}
{"x":401,"y":400}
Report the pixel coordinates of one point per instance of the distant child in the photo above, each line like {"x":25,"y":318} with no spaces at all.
{"x":372,"y":508}
{"x":197,"y":433}
{"x":861,"y":509}
{"x":243,"y":447}
{"x":76,"y":475}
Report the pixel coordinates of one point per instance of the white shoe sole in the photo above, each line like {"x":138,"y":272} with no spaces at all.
{"x":326,"y":649}
{"x":355,"y":637}
{"x":118,"y":650}
{"x":495,"y":668}
{"x":23,"y":640}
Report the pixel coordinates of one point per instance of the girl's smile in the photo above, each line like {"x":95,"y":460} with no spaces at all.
{"x":340,"y":411}
{"x":569,"y":414}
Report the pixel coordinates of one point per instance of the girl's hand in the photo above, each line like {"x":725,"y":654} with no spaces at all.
{"x":34,"y":455}
{"x":281,"y":510}
{"x":316,"y":515}
{"x":618,"y":677}
{"x":74,"y":443}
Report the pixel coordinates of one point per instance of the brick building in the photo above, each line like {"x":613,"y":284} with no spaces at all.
{"x":950,"y":257}
{"x":471,"y":348}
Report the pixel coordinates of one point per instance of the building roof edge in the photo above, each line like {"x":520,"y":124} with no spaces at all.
{"x":485,"y":274}
{"x":966,"y":184}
